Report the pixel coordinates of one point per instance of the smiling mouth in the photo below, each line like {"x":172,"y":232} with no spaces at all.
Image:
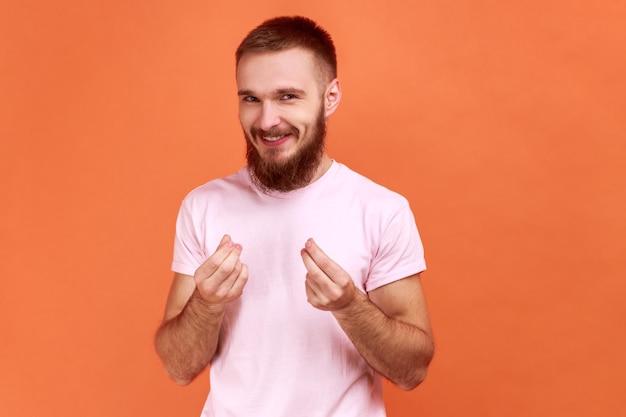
{"x":273,"y":138}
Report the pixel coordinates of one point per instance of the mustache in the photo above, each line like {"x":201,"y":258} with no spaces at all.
{"x":274,"y":132}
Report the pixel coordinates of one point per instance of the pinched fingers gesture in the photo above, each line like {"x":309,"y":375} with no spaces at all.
{"x":328,"y":286}
{"x":222,"y":277}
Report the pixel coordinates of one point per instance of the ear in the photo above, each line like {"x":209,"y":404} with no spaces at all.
{"x":332,"y":97}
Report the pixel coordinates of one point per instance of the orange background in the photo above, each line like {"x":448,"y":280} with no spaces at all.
{"x":502,"y":122}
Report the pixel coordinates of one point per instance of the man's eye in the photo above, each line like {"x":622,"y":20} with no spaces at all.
{"x":250,"y":99}
{"x":288,"y":97}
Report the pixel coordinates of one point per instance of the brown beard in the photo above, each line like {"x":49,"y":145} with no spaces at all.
{"x":294,"y":173}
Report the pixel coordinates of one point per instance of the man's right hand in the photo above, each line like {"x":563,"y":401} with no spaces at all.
{"x":222,"y":277}
{"x":189,"y":334}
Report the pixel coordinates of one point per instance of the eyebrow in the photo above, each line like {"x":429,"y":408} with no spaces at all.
{"x":278,"y":91}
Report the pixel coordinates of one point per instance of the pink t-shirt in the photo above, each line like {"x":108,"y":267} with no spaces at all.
{"x":278,"y":355}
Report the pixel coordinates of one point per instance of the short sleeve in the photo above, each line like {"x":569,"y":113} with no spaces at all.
{"x":400,"y":252}
{"x":188,"y":251}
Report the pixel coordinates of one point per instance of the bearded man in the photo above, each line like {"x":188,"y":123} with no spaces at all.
{"x":296,"y":279}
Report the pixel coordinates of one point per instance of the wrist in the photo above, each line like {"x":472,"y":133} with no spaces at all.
{"x":352,"y":307}
{"x":203,"y":307}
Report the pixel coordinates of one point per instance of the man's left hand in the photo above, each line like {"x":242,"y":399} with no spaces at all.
{"x":328,"y":286}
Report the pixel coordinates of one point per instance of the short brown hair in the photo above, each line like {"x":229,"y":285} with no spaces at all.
{"x":288,"y":32}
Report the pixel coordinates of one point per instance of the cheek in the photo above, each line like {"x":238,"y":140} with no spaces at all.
{"x":246,"y":117}
{"x":301,"y":118}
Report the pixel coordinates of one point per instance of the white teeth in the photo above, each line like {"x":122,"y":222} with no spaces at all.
{"x":273,"y":138}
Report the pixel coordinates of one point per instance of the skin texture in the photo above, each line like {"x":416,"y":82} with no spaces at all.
{"x":282,"y":95}
{"x":187,"y":339}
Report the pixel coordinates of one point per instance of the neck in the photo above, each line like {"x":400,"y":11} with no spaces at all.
{"x":323,"y":166}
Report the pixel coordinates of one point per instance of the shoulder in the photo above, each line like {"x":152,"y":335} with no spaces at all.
{"x":219,"y":188}
{"x":368,"y":191}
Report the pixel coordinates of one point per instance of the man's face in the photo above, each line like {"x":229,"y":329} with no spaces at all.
{"x":282,"y":113}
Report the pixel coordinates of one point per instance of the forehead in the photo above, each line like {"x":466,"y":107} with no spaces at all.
{"x":268,"y":71}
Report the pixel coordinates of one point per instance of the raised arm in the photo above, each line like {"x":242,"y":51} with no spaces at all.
{"x":390,"y":326}
{"x":189,"y":334}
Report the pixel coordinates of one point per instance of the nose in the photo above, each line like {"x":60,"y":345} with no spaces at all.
{"x":269,"y":117}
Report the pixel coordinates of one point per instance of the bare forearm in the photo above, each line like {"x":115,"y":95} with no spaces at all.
{"x":399,"y":351}
{"x":186,"y":343}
